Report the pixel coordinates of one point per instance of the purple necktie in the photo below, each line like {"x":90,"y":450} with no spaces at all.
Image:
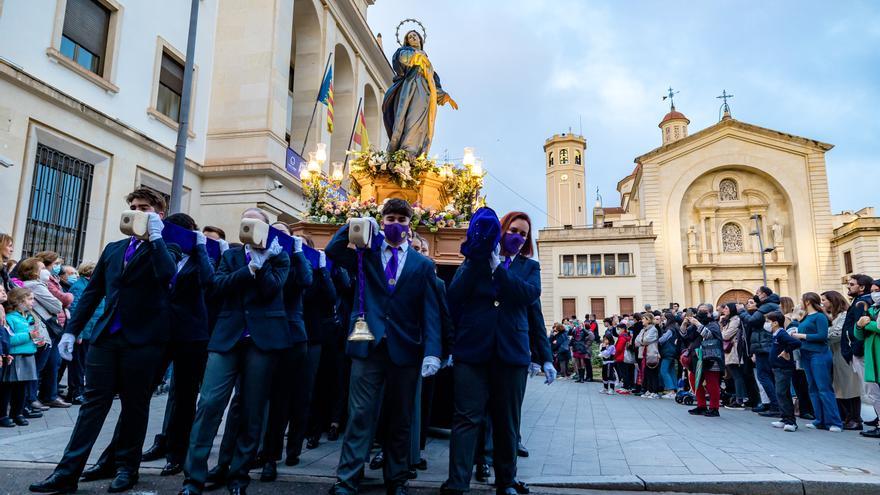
{"x":246,"y":333}
{"x":391,"y":269}
{"x":507,"y":261}
{"x":116,"y":325}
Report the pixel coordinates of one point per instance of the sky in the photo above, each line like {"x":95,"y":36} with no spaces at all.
{"x":523,"y":70}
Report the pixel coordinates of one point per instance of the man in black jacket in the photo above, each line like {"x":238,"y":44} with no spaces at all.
{"x":251,"y":331}
{"x":126,"y":346}
{"x":752,"y":318}
{"x":859,"y":289}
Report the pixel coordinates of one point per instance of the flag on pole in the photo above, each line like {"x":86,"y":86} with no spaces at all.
{"x":325,"y":96}
{"x":360,"y":134}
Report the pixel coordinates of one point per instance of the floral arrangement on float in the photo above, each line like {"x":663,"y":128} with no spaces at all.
{"x":400,"y":167}
{"x":337,"y":212}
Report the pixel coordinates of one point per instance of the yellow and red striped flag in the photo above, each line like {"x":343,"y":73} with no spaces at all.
{"x":325,"y":96}
{"x":360,"y":134}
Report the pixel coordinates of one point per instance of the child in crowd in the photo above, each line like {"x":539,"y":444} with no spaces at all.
{"x":23,"y":341}
{"x":607,"y":352}
{"x":782,"y":349}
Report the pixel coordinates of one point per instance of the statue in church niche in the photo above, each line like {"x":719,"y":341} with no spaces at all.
{"x":692,"y":237}
{"x":777,"y":232}
{"x":410,"y":104}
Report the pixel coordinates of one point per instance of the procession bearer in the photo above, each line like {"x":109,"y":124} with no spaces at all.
{"x":395,"y":299}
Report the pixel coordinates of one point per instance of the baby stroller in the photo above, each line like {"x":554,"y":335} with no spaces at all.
{"x":685,"y":397}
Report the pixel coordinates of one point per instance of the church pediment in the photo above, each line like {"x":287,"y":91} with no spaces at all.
{"x":734,"y":129}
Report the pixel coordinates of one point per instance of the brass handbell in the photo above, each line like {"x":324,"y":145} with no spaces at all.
{"x":361,"y":331}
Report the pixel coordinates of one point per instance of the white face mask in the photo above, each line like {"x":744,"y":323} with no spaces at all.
{"x":875,"y":296}
{"x":44,"y":275}
{"x":768,"y":326}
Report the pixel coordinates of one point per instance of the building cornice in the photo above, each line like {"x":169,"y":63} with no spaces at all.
{"x":26,"y":81}
{"x":581,"y":234}
{"x":856,"y":228}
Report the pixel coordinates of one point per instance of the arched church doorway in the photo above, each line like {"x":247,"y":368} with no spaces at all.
{"x":734,"y":296}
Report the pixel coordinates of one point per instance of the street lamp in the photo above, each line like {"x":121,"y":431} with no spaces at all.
{"x":764,"y":251}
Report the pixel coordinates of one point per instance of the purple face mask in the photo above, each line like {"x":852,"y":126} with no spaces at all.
{"x":512,"y":243}
{"x":395,"y":232}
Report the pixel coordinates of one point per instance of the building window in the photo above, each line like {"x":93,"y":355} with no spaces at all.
{"x":568,"y":265}
{"x":170,"y":87}
{"x":59,"y":205}
{"x":728,"y":190}
{"x":677,"y":132}
{"x":583,"y":265}
{"x":84,"y":36}
{"x":289,"y":126}
{"x":847,"y":262}
{"x":569,"y":307}
{"x":610,"y":268}
{"x":626,"y":305}
{"x":550,"y":158}
{"x":596,"y":265}
{"x":597,"y":307}
{"x":731,"y":238}
{"x":577,"y":157}
{"x":623,"y":266}
{"x":563,"y":156}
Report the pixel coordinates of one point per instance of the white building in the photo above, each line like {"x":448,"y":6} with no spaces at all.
{"x":90,"y":95}
{"x":89,"y":98}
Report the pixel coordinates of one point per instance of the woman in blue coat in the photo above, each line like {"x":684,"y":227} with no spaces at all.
{"x":490,"y":296}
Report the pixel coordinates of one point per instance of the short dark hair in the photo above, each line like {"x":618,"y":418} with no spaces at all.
{"x":183,"y":220}
{"x":865,"y":281}
{"x":397,"y":206}
{"x":776,"y":316}
{"x":767,"y":291}
{"x":150,"y":196}
{"x":217,"y":230}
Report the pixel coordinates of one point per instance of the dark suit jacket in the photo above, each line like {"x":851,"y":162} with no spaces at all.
{"x":252,"y":302}
{"x":407,"y":318}
{"x":189,"y":311}
{"x":138,"y":292}
{"x":447,"y":329}
{"x":298,"y":280}
{"x":493,"y":311}
{"x":538,"y":340}
{"x":320,"y":307}
{"x":344,"y":292}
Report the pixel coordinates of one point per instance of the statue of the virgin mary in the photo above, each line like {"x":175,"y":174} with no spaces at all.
{"x":410,"y":104}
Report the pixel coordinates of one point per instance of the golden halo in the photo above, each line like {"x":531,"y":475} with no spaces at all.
{"x":411,"y":21}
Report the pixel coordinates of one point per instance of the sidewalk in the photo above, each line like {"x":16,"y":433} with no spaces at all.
{"x":580,"y":438}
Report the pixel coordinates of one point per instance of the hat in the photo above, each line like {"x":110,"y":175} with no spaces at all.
{"x":483,"y":234}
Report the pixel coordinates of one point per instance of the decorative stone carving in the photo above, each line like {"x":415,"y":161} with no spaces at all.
{"x":731,"y":238}
{"x":778,"y":233}
{"x":728,"y":190}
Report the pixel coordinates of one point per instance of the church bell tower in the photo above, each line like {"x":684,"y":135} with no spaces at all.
{"x":566,"y":180}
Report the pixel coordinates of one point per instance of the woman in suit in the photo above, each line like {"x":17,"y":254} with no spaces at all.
{"x":491,"y":294}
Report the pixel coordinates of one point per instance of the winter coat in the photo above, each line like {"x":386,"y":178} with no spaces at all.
{"x":66,"y":299}
{"x":846,"y":382}
{"x":646,"y":340}
{"x":759,"y":340}
{"x":850,"y":345}
{"x":870,"y":335}
{"x":732,"y":333}
{"x":47,"y":305}
{"x":20,"y":341}
{"x":620,"y":347}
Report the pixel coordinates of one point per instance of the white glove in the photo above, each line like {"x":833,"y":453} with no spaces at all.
{"x":549,"y":372}
{"x":258,"y":257}
{"x":223,"y":245}
{"x":430,"y":366}
{"x":65,"y":346}
{"x":374,"y":225}
{"x":448,"y":362}
{"x":154,"y":226}
{"x":534,"y":369}
{"x":297,"y":244}
{"x":274,"y":249}
{"x":495,"y":260}
{"x":201,"y":240}
{"x":322,"y":259}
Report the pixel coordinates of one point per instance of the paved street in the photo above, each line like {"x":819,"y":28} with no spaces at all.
{"x":580,"y":438}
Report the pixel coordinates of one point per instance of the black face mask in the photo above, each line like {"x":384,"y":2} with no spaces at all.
{"x":703,"y":317}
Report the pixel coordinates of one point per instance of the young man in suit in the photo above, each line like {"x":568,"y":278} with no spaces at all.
{"x":126,"y":346}
{"x":187,"y":351}
{"x":250,"y":333}
{"x":398,"y":302}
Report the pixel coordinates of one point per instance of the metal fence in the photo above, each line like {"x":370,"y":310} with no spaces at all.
{"x":59,"y":205}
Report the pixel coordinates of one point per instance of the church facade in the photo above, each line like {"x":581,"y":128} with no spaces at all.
{"x":701,"y":218}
